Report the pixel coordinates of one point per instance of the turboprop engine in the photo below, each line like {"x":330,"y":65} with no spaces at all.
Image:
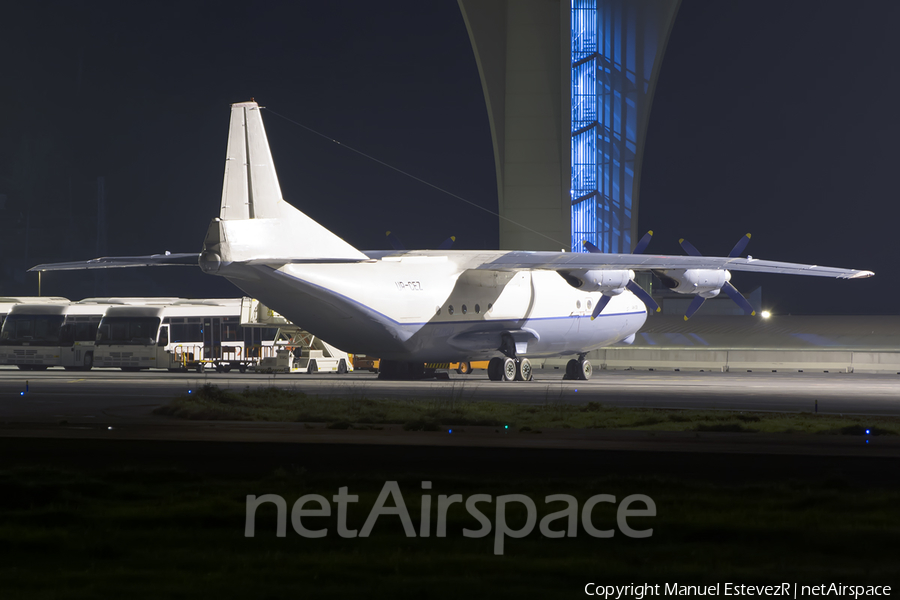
{"x":607,"y":282}
{"x":706,"y":283}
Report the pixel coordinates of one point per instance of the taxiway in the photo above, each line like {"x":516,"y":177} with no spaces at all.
{"x":56,"y":395}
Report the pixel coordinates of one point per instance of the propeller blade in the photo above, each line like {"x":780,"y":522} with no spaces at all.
{"x":635,"y":288}
{"x":689,"y":247}
{"x":739,"y":247}
{"x":396,"y":244}
{"x":696,"y":303}
{"x":601,"y":304}
{"x":448,"y":243}
{"x":739,"y":299}
{"x":642,"y":245}
{"x":590,"y":247}
{"x":644,"y":296}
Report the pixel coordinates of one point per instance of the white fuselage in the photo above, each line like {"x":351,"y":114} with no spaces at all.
{"x":434,"y":306}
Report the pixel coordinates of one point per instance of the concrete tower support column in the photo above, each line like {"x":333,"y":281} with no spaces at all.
{"x":521,"y":48}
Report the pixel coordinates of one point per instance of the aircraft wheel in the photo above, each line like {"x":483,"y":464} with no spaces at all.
{"x":572,"y":369}
{"x":523,"y":370}
{"x":312,"y":368}
{"x":509,"y":370}
{"x":387,"y":369}
{"x":495,"y":369}
{"x":585,"y":369}
{"x":464,"y":368}
{"x":401,"y":370}
{"x":342,"y":367}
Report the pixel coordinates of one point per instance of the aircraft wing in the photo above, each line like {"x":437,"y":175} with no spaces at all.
{"x":565,"y":261}
{"x":119,"y":262}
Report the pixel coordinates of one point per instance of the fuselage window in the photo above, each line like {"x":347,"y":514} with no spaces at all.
{"x":477,"y":309}
{"x":464,"y":309}
{"x":589,"y":305}
{"x":450,"y":309}
{"x":578,"y":304}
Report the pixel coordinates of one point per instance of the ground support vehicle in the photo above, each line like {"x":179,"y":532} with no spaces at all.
{"x":305,"y":353}
{"x":361,"y":362}
{"x":463,"y":368}
{"x":181,"y":335}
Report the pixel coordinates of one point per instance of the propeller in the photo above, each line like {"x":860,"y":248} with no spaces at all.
{"x":728,"y":288}
{"x":396,"y":244}
{"x":633,"y":287}
{"x":448,"y":243}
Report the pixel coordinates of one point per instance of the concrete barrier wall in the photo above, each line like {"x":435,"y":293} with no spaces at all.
{"x":621,"y":358}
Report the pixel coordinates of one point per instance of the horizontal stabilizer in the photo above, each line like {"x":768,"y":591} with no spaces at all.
{"x":119,"y":262}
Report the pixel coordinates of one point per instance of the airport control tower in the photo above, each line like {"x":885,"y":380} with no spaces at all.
{"x":568,"y":86}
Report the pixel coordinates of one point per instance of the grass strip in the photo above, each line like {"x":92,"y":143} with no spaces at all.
{"x":432,"y":414}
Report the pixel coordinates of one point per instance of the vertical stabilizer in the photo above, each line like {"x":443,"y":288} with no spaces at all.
{"x":254,"y":220}
{"x":251,"y":189}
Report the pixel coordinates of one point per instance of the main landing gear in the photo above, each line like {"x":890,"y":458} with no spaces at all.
{"x":579,"y":368}
{"x":511,"y":367}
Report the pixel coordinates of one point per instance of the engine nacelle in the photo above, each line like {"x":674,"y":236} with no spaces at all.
{"x":706,"y":283}
{"x":609,"y":283}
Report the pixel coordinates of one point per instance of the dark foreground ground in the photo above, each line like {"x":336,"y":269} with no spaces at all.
{"x":83,"y":518}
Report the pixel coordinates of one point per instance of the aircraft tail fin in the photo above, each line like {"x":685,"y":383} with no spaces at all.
{"x":255,"y":223}
{"x":251,"y":188}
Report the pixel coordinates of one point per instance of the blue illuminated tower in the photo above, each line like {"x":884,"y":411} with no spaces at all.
{"x":616,"y":49}
{"x":568,"y":87}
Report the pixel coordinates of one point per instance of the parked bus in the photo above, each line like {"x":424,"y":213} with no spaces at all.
{"x":161,"y":333}
{"x":7,"y":302}
{"x":181,"y":335}
{"x":52,"y":333}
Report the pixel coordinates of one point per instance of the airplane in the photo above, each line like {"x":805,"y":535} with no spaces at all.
{"x":412,"y":307}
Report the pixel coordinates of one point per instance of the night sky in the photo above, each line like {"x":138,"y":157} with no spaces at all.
{"x":769,"y":117}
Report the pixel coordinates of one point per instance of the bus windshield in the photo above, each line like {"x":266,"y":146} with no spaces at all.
{"x":31,"y":329}
{"x":138,"y":331}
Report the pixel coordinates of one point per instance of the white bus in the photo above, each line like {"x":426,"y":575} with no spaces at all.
{"x":7,"y":302}
{"x":50,"y":334}
{"x":181,"y":335}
